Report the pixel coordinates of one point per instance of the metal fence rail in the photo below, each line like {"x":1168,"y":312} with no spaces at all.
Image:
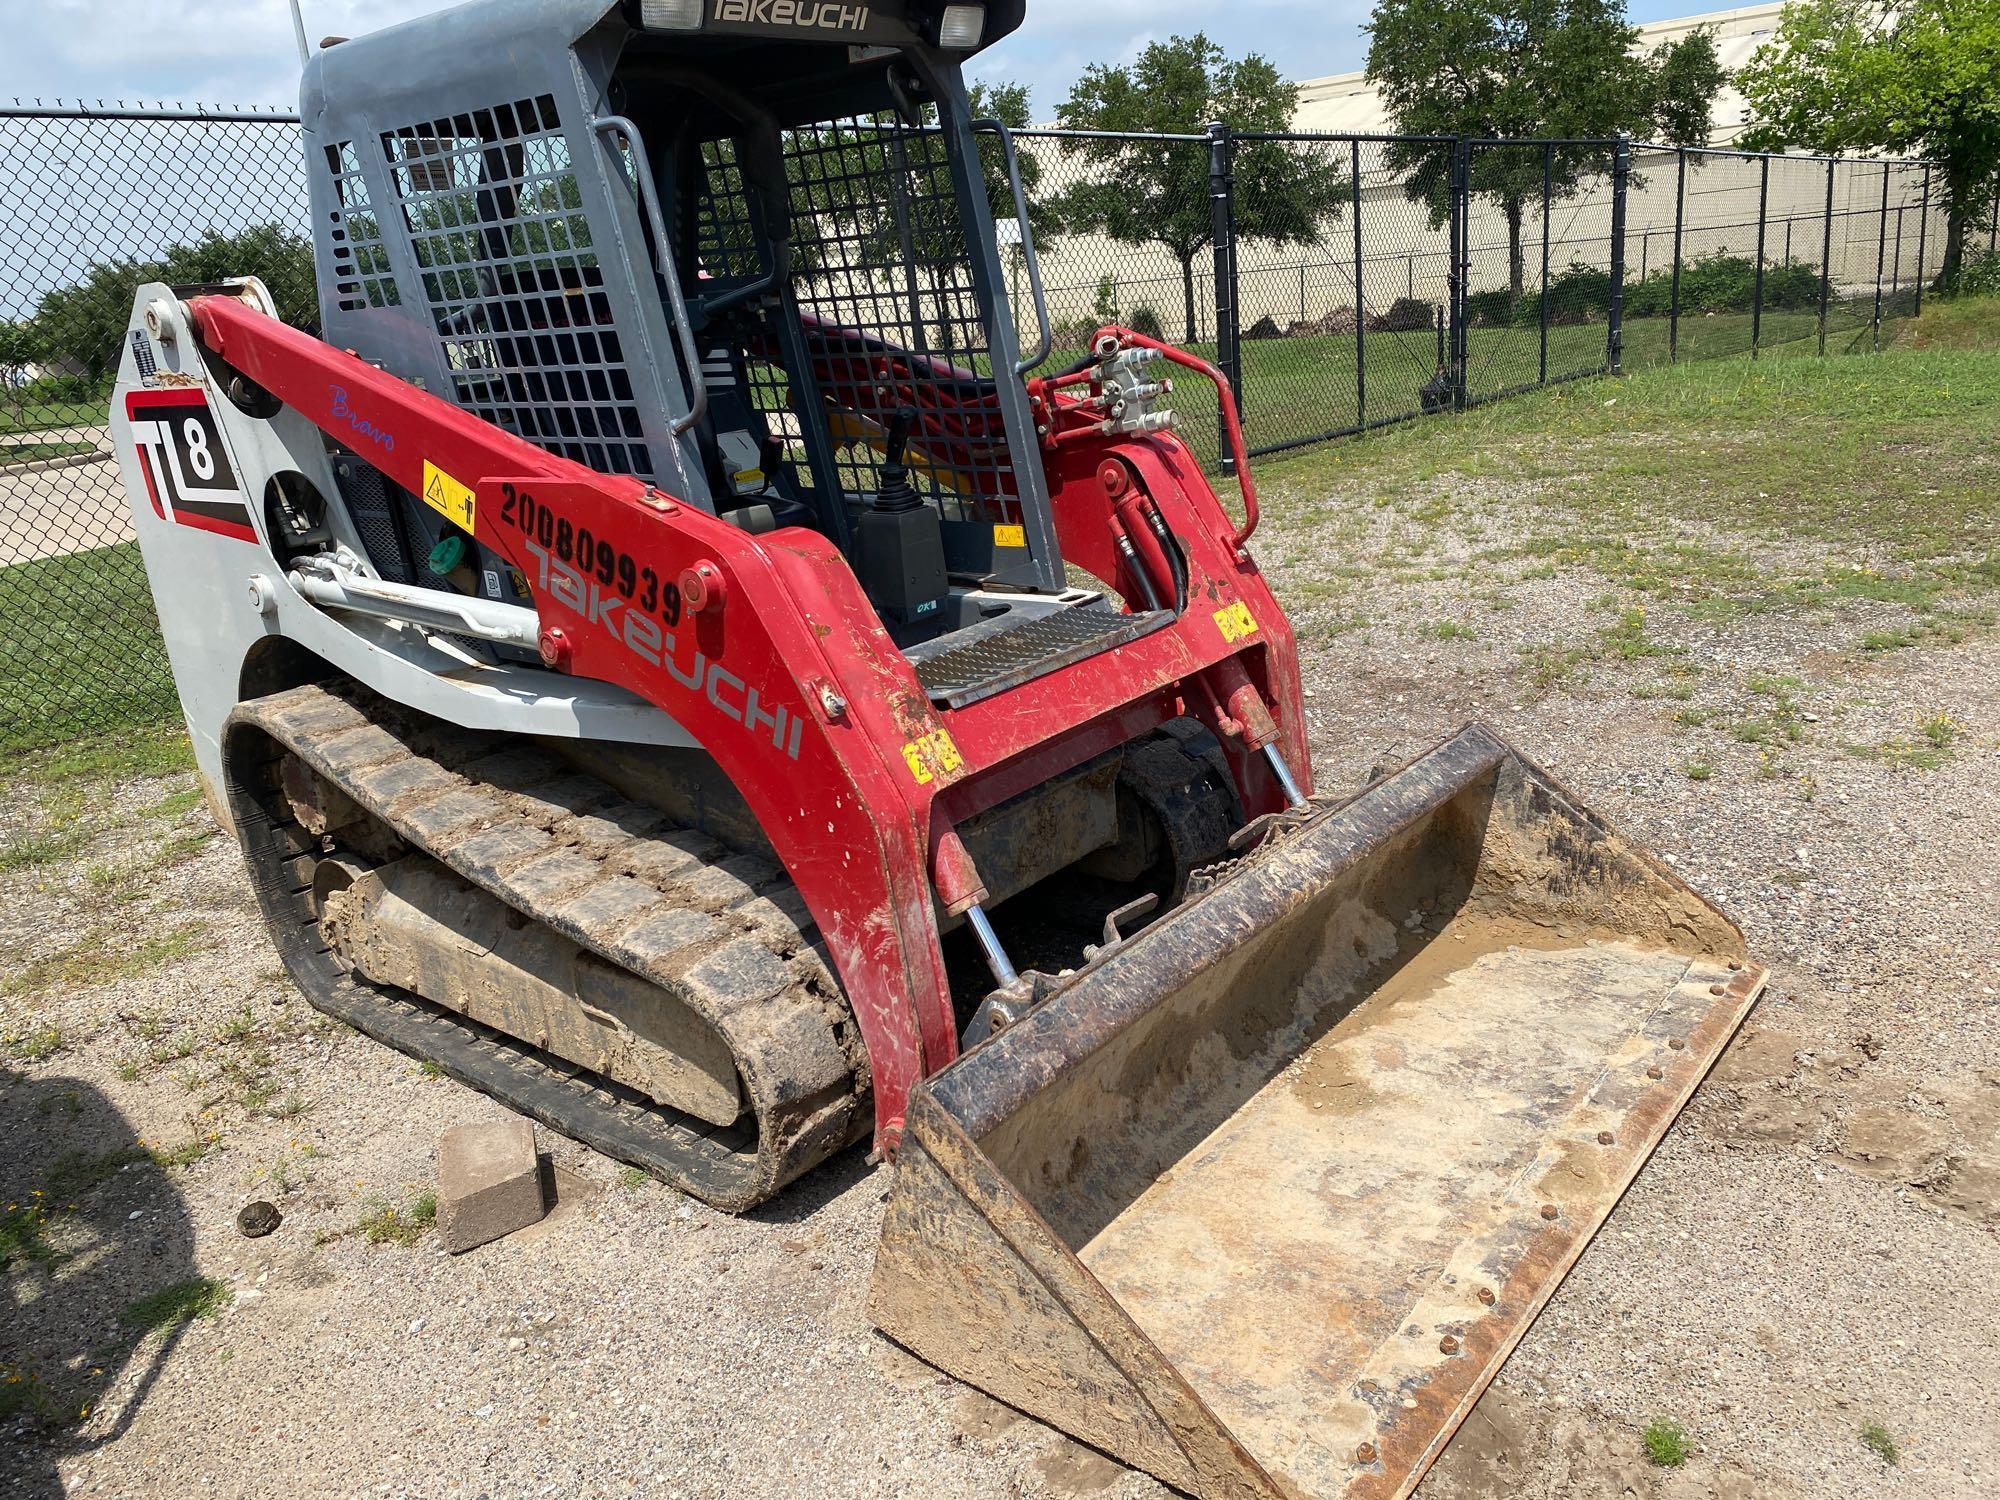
{"x":1340,"y":283}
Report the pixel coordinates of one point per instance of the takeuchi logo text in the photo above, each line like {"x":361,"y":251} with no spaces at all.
{"x":811,"y":15}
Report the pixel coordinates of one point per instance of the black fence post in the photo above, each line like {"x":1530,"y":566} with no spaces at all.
{"x":1222,"y":233}
{"x":1826,"y":255}
{"x":1548,"y":188}
{"x":1680,"y":218}
{"x":1457,"y":283}
{"x":1881,"y":253}
{"x":1923,"y":233}
{"x":1757,"y":292}
{"x":1621,"y":177}
{"x":1360,"y":292}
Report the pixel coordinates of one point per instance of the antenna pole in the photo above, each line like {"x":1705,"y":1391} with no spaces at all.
{"x":299,"y":31}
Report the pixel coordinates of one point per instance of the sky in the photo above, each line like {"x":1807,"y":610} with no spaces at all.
{"x":242,"y":52}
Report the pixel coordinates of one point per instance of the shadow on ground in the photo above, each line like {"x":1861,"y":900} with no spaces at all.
{"x":97,"y":1277}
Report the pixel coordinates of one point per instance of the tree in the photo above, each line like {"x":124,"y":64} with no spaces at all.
{"x":1918,"y":76}
{"x":1009,"y":104}
{"x":1141,"y":192}
{"x":1529,"y":69}
{"x":19,"y":348}
{"x":81,"y":327}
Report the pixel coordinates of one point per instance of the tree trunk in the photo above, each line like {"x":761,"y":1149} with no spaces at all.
{"x":1958,"y":183}
{"x":1516,"y":272}
{"x":1187,"y":293}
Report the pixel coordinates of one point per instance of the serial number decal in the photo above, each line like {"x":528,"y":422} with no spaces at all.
{"x":188,"y":477}
{"x":631,"y":604}
{"x":1235,"y":622}
{"x":931,"y":756}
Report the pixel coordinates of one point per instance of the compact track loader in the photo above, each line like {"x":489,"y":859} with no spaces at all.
{"x":673,"y":660}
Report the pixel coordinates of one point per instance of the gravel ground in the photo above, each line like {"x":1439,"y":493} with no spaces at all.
{"x":1812,"y":1249}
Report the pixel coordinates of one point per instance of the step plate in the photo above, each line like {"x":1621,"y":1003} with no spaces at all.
{"x":1006,"y":658}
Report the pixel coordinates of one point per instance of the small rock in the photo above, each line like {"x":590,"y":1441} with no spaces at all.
{"x":257,"y":1219}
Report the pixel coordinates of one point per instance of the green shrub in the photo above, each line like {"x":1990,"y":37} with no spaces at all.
{"x":1145,"y":320}
{"x":1495,"y":308}
{"x":1979,"y":276}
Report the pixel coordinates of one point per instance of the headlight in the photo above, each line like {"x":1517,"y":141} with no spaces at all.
{"x":961,"y":27}
{"x":670,"y":15}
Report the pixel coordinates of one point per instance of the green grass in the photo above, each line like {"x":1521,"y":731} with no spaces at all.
{"x":1881,"y":1443}
{"x":81,"y":653}
{"x":382,"y":1223}
{"x":36,"y":416}
{"x":21,"y":1241}
{"x":29,"y":453}
{"x":181,"y":1303}
{"x":1666,"y":1443}
{"x":186,"y":1154}
{"x":102,"y":956}
{"x":1896,"y":455}
{"x":37,"y":1044}
{"x":77,"y":1172}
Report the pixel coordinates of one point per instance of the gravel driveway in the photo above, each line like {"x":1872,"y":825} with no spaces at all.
{"x":1811,"y":1251}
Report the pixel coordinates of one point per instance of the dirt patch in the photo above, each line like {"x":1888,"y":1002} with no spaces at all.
{"x":1800,"y":1260}
{"x":1509,"y":1449}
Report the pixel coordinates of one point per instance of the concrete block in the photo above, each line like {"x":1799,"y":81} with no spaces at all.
{"x":489,"y":1183}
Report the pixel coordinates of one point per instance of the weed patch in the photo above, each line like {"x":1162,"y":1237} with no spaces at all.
{"x":170,"y":1308}
{"x":1878,"y":1440}
{"x":382,"y":1223}
{"x":1666,"y":1443}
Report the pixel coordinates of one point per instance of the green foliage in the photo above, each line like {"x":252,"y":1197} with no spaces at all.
{"x":183,"y":1302}
{"x":1880,"y":1442}
{"x":382,"y":1223}
{"x":1529,"y":69}
{"x":1665,"y":1439}
{"x":1920,"y":77}
{"x":82,"y":326}
{"x":1141,"y":192}
{"x":20,"y":344}
{"x":1978,"y":276}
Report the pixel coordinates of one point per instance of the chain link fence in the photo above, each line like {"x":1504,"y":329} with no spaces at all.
{"x":1338,"y":282}
{"x":92,"y":203}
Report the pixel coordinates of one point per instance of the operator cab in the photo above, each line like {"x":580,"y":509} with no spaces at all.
{"x":743,"y":249}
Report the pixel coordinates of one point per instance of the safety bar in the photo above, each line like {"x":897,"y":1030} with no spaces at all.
{"x":663,"y":263}
{"x":1013,"y":161}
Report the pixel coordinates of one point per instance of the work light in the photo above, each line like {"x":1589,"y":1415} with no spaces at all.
{"x":961,"y":27}
{"x":671,"y":15}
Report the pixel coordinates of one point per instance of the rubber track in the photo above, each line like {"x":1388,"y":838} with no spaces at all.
{"x":725,"y":932}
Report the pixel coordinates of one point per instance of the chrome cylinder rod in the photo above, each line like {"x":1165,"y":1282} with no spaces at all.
{"x":1283,"y":772}
{"x":989,"y":942}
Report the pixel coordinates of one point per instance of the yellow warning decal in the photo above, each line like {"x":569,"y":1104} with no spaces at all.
{"x":447,"y":496}
{"x":932,"y":756}
{"x":1010,"y":536}
{"x":1235,"y":622}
